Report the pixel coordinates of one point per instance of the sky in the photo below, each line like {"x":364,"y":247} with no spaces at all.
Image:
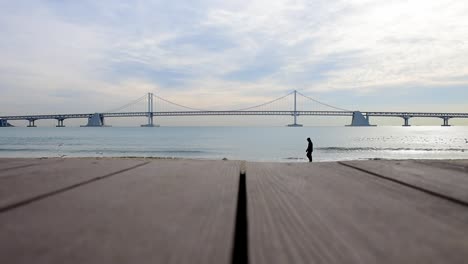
{"x":64,"y":56}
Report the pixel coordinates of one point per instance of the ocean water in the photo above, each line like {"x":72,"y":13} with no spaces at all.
{"x":284,"y":144}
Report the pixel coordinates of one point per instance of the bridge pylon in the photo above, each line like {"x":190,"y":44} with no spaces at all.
{"x":150,"y":112}
{"x":295,"y":124}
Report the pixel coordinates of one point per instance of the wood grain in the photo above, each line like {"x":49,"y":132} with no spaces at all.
{"x":327,"y":213}
{"x":49,"y":175}
{"x":448,"y":178}
{"x":163,"y":212}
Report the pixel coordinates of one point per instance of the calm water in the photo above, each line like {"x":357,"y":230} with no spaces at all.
{"x":246,"y":143}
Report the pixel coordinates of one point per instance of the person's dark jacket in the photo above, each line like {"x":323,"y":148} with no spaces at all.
{"x":310,"y":147}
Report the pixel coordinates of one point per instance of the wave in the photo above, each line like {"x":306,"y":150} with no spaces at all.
{"x":123,"y":151}
{"x":107,"y":151}
{"x":345,"y":149}
{"x":22,"y":150}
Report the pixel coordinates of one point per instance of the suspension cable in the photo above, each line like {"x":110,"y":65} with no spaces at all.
{"x":242,"y":109}
{"x":176,"y":104}
{"x":260,"y":105}
{"x":127,"y":105}
{"x":324,"y":104}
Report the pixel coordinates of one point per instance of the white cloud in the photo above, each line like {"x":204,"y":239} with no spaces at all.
{"x":229,"y":53}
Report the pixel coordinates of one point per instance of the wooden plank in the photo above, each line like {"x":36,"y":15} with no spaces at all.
{"x":164,"y":212}
{"x":448,"y":178}
{"x":48,"y":175}
{"x":329,"y":213}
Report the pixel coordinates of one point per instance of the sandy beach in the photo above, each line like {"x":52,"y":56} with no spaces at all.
{"x":136,"y":210}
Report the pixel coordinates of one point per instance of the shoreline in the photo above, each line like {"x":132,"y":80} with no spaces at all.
{"x":294,"y":161}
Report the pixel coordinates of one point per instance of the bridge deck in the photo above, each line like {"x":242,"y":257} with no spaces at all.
{"x":185,"y":211}
{"x":240,"y":113}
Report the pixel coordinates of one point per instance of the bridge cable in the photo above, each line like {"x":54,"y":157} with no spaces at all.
{"x":242,"y":109}
{"x":260,"y":105}
{"x":127,"y":105}
{"x":324,"y":104}
{"x":176,"y":104}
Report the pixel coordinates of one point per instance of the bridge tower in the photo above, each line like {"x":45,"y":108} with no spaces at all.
{"x":150,"y":112}
{"x":295,"y":112}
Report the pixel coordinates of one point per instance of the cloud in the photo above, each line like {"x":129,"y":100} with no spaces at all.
{"x":163,"y":77}
{"x":231,"y":53}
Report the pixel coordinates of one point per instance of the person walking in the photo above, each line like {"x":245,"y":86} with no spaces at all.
{"x":310,"y":149}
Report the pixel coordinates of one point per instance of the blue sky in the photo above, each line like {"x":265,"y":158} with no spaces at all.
{"x":85,"y":56}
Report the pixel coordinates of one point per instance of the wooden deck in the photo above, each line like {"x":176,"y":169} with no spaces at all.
{"x":447,"y":179}
{"x":186,"y":211}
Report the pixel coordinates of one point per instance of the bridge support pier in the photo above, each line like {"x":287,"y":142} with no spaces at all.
{"x":359,"y":119}
{"x":406,"y":118}
{"x":31,"y":123}
{"x":60,"y":123}
{"x":446,"y":121}
{"x":295,"y":124}
{"x":4,"y":123}
{"x":95,"y":120}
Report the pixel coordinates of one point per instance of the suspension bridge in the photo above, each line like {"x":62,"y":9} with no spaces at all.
{"x":293,"y":104}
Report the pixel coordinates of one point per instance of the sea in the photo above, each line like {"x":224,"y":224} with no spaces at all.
{"x":278,"y":144}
